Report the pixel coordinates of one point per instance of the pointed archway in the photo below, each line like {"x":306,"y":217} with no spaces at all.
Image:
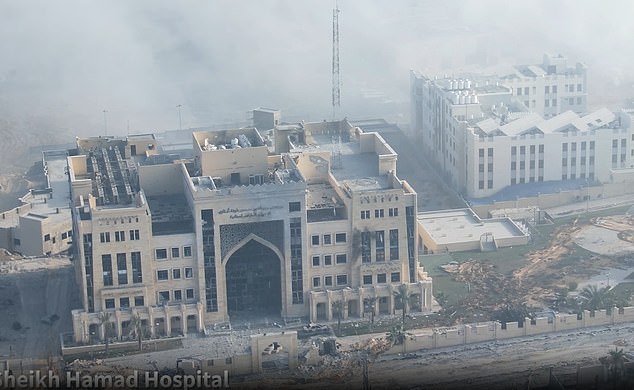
{"x":253,"y":279}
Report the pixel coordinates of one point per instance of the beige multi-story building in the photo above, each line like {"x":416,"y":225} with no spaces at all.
{"x":243,"y":230}
{"x":41,"y":226}
{"x":493,"y":134}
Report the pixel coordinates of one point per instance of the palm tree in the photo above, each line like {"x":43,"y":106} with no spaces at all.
{"x":370,"y":304}
{"x":616,"y":364}
{"x":402,"y":298}
{"x":397,"y":336}
{"x":594,"y":298}
{"x":137,"y":328}
{"x":106,"y":324}
{"x":337,"y":310}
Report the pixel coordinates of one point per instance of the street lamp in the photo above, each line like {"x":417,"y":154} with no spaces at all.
{"x":180,"y":127}
{"x":105,"y":122}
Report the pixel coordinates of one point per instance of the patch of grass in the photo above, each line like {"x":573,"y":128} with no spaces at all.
{"x":443,"y":281}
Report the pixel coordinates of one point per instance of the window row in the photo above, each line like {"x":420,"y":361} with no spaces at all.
{"x":341,"y":258}
{"x":379,"y":245}
{"x":120,"y":236}
{"x":124,"y":302}
{"x":122,"y":269}
{"x":326,"y":239}
{"x":175,"y":252}
{"x":175,"y":296}
{"x":47,"y":237}
{"x":395,"y":277}
{"x":177,"y":273}
{"x":380,"y":213}
{"x":341,"y":280}
{"x":523,"y":149}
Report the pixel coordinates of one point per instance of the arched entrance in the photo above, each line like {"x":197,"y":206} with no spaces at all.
{"x":253,"y":281}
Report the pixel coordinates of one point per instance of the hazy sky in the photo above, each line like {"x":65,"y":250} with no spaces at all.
{"x":64,"y":62}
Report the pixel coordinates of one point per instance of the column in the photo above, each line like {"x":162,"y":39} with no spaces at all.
{"x":117,"y":324}
{"x":151,"y":322}
{"x":168,"y":321}
{"x":200,"y":317}
{"x":183,"y":320}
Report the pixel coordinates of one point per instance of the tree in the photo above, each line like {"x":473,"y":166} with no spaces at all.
{"x":106,"y":324}
{"x":370,"y":304}
{"x":615,"y":361}
{"x":337,"y":310}
{"x":402,"y":296}
{"x":594,"y":298}
{"x":137,"y":328}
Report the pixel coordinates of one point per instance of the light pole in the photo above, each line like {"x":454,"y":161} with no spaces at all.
{"x":105,"y":122}
{"x":587,"y":196}
{"x":180,"y":127}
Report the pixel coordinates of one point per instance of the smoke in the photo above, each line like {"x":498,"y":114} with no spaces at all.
{"x":64,"y":62}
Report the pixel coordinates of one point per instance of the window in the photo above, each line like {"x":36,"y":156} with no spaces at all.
{"x":571,"y":101}
{"x":164,"y":296}
{"x":178,"y":295}
{"x":134,"y":235}
{"x":104,"y":237}
{"x":124,"y":302}
{"x":294,"y":206}
{"x":490,"y":183}
{"x":119,"y":236}
{"x":379,"y":213}
{"x":341,"y":258}
{"x":316,"y":281}
{"x":122,"y":269}
{"x":327,"y":259}
{"x":490,"y":152}
{"x":366,"y":250}
{"x":16,"y":241}
{"x":340,"y":238}
{"x":546,"y":103}
{"x":327,"y":280}
{"x":365,"y":214}
{"x":316,"y":261}
{"x":394,"y":244}
{"x":481,"y":184}
{"x":139,"y":301}
{"x":189,"y":272}
{"x":162,"y":274}
{"x":379,"y":237}
{"x":187,"y":251}
{"x":110,"y":303}
{"x":554,"y":103}
{"x":554,"y":89}
{"x":161,"y":254}
{"x":547,"y":89}
{"x":367,"y":279}
{"x":480,"y":167}
{"x":513,"y":150}
{"x":106,"y":265}
{"x":176,"y":273}
{"x":579,"y":88}
{"x":395,"y":277}
{"x":393,"y":212}
{"x":513,"y":165}
{"x":315,"y":240}
{"x":64,"y":236}
{"x":578,"y":100}
{"x":481,"y":153}
{"x":522,"y":149}
{"x":519,"y":92}
{"x":327,"y":239}
{"x":189,"y":293}
{"x":47,"y":237}
{"x":381,"y":278}
{"x":137,"y":272}
{"x":342,"y":280}
{"x":176,"y":252}
{"x":525,"y":90}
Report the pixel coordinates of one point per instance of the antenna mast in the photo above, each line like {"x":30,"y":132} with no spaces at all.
{"x":336,"y":84}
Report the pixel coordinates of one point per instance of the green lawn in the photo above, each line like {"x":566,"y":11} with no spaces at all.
{"x":623,"y":289}
{"x":443,"y":281}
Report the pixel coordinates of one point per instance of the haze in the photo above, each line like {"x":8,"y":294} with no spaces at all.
{"x":64,"y":62}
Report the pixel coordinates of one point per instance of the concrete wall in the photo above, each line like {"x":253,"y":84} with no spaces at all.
{"x":491,"y":331}
{"x":164,"y":179}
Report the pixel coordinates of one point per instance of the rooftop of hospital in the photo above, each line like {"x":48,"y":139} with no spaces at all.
{"x":463,"y":225}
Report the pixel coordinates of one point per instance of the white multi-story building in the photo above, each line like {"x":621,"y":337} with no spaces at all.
{"x":244,"y":229}
{"x":483,"y":136}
